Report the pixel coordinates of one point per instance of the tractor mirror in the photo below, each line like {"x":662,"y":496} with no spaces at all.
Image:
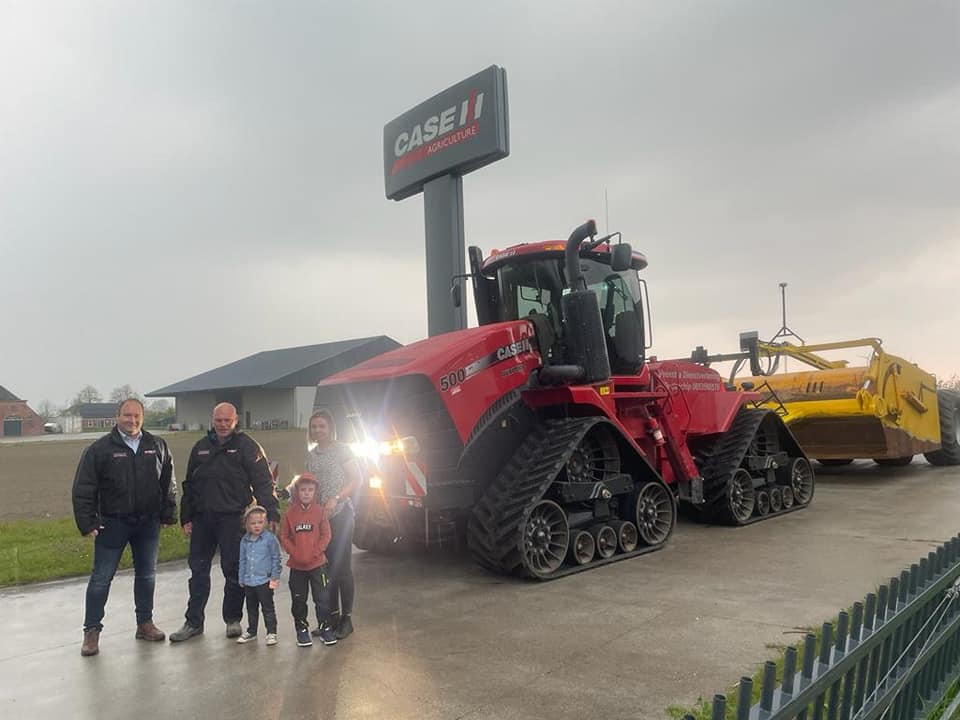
{"x":455,"y":295}
{"x":621,"y":257}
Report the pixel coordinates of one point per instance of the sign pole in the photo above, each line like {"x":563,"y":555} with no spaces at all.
{"x":429,"y":149}
{"x":443,"y":224}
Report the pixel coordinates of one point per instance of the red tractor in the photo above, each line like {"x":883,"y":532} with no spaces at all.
{"x":544,"y":435}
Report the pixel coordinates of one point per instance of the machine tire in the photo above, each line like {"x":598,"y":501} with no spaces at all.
{"x":763,"y":503}
{"x":627,"y":536}
{"x":786,"y":493}
{"x":776,"y":499}
{"x":949,"y":452}
{"x":546,"y":538}
{"x":798,"y":475}
{"x":582,"y":547}
{"x":605,"y":538}
{"x":894,"y":462}
{"x":741,"y":497}
{"x":834,"y":462}
{"x":656,"y":513}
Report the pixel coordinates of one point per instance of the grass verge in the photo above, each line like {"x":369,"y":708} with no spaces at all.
{"x":941,"y":708}
{"x":38,"y":550}
{"x":702,"y":709}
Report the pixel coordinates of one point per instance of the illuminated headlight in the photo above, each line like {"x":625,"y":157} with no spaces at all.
{"x":368,"y":450}
{"x":400,"y":446}
{"x":376,"y":483}
{"x":372,"y":450}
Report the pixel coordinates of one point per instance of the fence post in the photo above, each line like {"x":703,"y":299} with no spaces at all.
{"x":826,"y":646}
{"x":766,"y":686}
{"x":806,"y":675}
{"x":744,"y":696}
{"x":719,"y":707}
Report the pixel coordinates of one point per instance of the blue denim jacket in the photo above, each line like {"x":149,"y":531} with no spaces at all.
{"x":259,"y":559}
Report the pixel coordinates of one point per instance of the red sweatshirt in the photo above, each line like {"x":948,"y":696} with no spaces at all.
{"x":305,"y":536}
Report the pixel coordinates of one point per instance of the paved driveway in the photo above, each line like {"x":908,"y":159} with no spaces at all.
{"x":440,"y":638}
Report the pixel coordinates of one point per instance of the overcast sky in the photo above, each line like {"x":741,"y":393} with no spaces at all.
{"x":186,"y":183}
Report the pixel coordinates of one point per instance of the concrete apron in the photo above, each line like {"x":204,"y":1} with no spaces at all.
{"x":440,"y":638}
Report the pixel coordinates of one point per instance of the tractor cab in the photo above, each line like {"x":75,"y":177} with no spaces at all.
{"x":529,"y":281}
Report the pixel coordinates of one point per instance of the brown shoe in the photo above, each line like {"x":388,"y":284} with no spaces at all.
{"x":91,"y":643}
{"x":149,"y":631}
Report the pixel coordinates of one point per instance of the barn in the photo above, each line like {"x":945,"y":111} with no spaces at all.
{"x":273,"y":389}
{"x":17,"y":417}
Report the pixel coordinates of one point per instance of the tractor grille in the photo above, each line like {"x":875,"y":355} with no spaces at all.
{"x":398,"y":407}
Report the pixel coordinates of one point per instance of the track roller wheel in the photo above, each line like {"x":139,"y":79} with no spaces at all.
{"x":582,"y":547}
{"x":741,"y":496}
{"x":835,"y":462}
{"x":798,"y":474}
{"x":949,"y":452}
{"x":606,"y":540}
{"x":894,"y":462}
{"x":546,"y":537}
{"x":763,"y":503}
{"x":627,"y":536}
{"x":656,"y":513}
{"x":786,"y":494}
{"x":776,"y":499}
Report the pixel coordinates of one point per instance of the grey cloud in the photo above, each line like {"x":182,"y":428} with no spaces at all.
{"x":190,"y":158}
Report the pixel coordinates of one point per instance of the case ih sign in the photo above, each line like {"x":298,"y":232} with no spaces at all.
{"x":460,"y":129}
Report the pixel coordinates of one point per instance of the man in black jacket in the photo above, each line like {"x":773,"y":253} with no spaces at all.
{"x":227,"y":472}
{"x":124,"y":490}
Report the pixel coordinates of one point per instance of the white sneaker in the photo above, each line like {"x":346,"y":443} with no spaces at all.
{"x":246,"y":637}
{"x":271,"y":638}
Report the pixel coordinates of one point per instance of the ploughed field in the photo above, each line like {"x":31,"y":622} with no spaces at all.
{"x":36,"y":477}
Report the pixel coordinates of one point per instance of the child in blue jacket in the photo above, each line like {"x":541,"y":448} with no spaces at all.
{"x":259,"y":573}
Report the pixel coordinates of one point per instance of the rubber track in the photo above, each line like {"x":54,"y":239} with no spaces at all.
{"x":722,"y":460}
{"x":493,"y":534}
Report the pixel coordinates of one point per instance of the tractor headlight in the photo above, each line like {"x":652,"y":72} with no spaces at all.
{"x":372,"y":450}
{"x":375,"y":483}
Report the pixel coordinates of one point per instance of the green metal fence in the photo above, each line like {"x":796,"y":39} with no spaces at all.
{"x":892,"y":658}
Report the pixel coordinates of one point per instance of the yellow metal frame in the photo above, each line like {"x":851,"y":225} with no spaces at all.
{"x":846,"y":411}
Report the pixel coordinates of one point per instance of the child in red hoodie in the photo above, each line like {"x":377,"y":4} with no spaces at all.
{"x":305,"y":536}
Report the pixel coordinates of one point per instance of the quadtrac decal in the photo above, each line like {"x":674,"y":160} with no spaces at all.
{"x":457,"y":377}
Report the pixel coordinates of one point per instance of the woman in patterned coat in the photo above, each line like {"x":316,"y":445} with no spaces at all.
{"x":338,"y":476}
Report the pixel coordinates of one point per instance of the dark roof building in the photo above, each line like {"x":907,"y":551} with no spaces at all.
{"x":93,"y":416}
{"x":7,"y":396}
{"x":274,"y":388}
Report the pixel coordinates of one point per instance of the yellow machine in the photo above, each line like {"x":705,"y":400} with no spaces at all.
{"x":888,"y":410}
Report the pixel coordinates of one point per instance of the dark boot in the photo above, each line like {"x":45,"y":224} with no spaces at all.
{"x":91,"y":643}
{"x":149,"y":631}
{"x":185,"y":633}
{"x":345,"y":627}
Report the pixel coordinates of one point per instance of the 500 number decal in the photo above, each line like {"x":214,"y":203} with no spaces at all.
{"x":452,"y":379}
{"x":501,"y":354}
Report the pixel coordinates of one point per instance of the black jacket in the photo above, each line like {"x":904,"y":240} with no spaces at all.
{"x":112,"y":480}
{"x":225,"y":478}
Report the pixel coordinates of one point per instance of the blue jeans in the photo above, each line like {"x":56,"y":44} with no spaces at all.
{"x":142,"y":532}
{"x":339,"y":554}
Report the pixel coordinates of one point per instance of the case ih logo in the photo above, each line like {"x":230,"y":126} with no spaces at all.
{"x":438,"y":132}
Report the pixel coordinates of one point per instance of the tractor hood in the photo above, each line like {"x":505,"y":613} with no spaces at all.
{"x":469,"y":369}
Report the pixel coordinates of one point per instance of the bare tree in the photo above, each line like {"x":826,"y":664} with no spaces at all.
{"x":159,"y":406}
{"x":88,"y":394}
{"x":160,"y":413}
{"x":124,"y":392}
{"x":48,"y":411}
